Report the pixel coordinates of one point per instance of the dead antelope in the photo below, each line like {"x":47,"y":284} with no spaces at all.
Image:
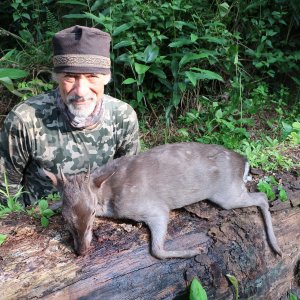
{"x":147,"y":186}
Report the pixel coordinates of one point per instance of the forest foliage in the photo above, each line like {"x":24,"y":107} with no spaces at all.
{"x":222,"y":72}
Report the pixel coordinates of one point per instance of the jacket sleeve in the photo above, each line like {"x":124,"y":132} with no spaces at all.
{"x":14,"y":154}
{"x":129,"y":142}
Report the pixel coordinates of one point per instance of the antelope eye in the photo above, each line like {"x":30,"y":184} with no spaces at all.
{"x":94,"y":212}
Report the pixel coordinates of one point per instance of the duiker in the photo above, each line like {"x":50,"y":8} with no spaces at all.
{"x":147,"y":186}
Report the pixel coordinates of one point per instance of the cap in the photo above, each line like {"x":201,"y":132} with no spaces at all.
{"x":81,"y":49}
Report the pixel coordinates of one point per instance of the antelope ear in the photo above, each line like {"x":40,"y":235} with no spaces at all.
{"x":53,"y":177}
{"x":99,"y":180}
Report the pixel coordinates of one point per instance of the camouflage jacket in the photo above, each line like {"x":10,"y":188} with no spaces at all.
{"x":36,"y":136}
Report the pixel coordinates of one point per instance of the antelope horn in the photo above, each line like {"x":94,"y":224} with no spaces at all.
{"x":62,"y":175}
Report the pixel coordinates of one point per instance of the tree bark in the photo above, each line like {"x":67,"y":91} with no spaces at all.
{"x":38,"y":262}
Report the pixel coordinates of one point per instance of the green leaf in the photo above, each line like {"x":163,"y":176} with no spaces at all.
{"x":124,"y":58}
{"x":141,"y":69}
{"x":158,"y":72}
{"x":13,"y":73}
{"x":151,"y":53}
{"x":27,"y":16}
{"x":139,"y":96}
{"x":176,"y":95}
{"x":10,"y":203}
{"x":203,"y":74}
{"x":100,"y":19}
{"x":48,"y":213}
{"x":73,"y":2}
{"x":287,"y":128}
{"x":213,"y":39}
{"x":282,"y":194}
{"x":292,"y":297}
{"x":296,"y":126}
{"x":197,"y":292}
{"x":223,"y":9}
{"x":44,"y":221}
{"x":2,"y":238}
{"x":219,"y":114}
{"x":210,"y":75}
{"x":174,"y":68}
{"x":123,"y":44}
{"x":190,"y":57}
{"x":194,"y":37}
{"x":121,"y":28}
{"x":180,"y":42}
{"x":183,"y":132}
{"x":180,"y":24}
{"x":234,"y":282}
{"x":193,"y":77}
{"x":7,"y":82}
{"x":296,"y":80}
{"x":75,"y":16}
{"x":43,"y":204}
{"x":266,"y":188}
{"x":296,"y":55}
{"x":129,"y":81}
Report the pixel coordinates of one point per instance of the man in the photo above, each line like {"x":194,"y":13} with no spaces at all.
{"x":73,"y":127}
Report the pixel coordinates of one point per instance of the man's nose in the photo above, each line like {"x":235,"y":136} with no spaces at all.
{"x":81,"y":86}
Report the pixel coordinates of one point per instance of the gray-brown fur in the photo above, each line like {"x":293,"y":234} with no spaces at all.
{"x":147,"y":186}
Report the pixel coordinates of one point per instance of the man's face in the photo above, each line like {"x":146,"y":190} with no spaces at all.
{"x":81,"y":92}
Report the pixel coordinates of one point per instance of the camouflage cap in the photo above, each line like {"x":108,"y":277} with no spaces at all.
{"x":81,"y":49}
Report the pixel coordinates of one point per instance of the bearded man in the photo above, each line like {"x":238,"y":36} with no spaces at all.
{"x":75,"y":127}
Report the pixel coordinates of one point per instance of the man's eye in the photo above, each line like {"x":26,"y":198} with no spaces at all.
{"x":69,"y":78}
{"x":93,"y":76}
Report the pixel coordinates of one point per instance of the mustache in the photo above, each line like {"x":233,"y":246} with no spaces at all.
{"x":74,"y":98}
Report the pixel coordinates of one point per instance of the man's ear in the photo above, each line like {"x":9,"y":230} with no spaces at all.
{"x":98,"y":181}
{"x":107,"y":78}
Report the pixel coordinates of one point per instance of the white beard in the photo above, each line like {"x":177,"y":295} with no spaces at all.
{"x":82,"y":111}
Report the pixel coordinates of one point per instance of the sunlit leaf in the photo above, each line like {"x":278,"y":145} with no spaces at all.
{"x":151,"y":53}
{"x":72,"y":2}
{"x":2,"y":238}
{"x":48,"y":213}
{"x":129,"y":81}
{"x":121,"y":29}
{"x":123,"y":44}
{"x":44,"y":221}
{"x":234,"y":282}
{"x":282,"y":194}
{"x":202,"y":75}
{"x":158,"y":72}
{"x":141,"y":69}
{"x":207,"y":74}
{"x":197,"y":292}
{"x":191,"y":57}
{"x":223,"y":9}
{"x":12,"y":73}
{"x":7,"y":82}
{"x":43,"y":204}
{"x":180,"y":42}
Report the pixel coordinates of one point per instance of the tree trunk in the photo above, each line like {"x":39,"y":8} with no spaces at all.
{"x":38,"y":262}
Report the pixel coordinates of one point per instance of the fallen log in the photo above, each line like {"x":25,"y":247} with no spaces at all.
{"x":38,"y":262}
